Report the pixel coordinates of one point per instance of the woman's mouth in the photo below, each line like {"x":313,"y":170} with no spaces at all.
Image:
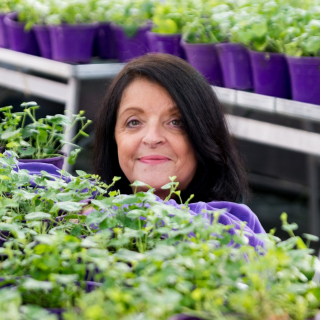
{"x":155,"y":159}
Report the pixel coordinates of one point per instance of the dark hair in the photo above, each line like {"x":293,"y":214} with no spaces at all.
{"x":219,"y":175}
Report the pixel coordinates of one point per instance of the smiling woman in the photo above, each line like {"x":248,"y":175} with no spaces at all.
{"x":160,"y":118}
{"x":151,"y":140}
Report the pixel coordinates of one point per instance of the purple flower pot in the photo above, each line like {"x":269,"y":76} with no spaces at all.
{"x":4,"y":41}
{"x":19,"y":39}
{"x":270,"y":74}
{"x":43,"y":38}
{"x":305,"y":78}
{"x":165,"y":43}
{"x":236,"y":66}
{"x":56,"y":161}
{"x":131,"y":47}
{"x":204,"y":58}
{"x":105,"y":43}
{"x":72,"y":43}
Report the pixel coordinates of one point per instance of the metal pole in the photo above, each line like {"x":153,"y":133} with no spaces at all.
{"x":71,"y":108}
{"x":313,"y":195}
{"x":312,"y":162}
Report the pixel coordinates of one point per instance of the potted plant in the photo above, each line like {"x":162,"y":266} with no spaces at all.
{"x":39,"y":204}
{"x":168,"y":20}
{"x":234,"y":57}
{"x":261,"y":31}
{"x":130,"y":23}
{"x":41,"y":140}
{"x":6,"y":6}
{"x":105,"y":43}
{"x":303,"y":56}
{"x":34,"y":14}
{"x":72,"y":26}
{"x":20,"y":38}
{"x":199,"y":39}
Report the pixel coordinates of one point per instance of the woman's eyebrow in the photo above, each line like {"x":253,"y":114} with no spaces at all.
{"x":136,"y":109}
{"x":174,"y":108}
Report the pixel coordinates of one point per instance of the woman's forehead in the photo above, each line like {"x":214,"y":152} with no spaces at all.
{"x":143,"y":95}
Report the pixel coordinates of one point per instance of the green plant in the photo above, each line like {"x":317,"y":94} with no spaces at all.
{"x":170,"y":17}
{"x":269,"y":26}
{"x":304,"y":42}
{"x":33,"y":12}
{"x":131,"y":14}
{"x":7,"y":6}
{"x":207,"y":277}
{"x":42,"y":138}
{"x":153,"y":260}
{"x":71,"y":12}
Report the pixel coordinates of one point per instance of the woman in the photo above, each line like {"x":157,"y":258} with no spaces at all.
{"x":161,"y":118}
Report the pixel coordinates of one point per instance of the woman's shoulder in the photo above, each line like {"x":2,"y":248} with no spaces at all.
{"x":234,"y":212}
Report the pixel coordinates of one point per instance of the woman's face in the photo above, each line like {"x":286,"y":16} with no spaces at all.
{"x":152,"y":143}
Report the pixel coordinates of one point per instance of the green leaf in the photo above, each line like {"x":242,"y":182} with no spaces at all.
{"x":125,"y":199}
{"x":28,"y":104}
{"x":9,"y":134}
{"x":73,"y":156}
{"x":81,"y":173}
{"x":96,"y":217}
{"x":59,"y":119}
{"x":136,"y":214}
{"x":27,"y":151}
{"x":38,"y":216}
{"x":9,"y":203}
{"x":32,"y":284}
{"x":127,"y":255}
{"x":12,"y":144}
{"x":28,"y":131}
{"x":290,"y":227}
{"x":310,"y":237}
{"x":6,"y":108}
{"x":43,"y":136}
{"x":138,"y":184}
{"x":63,"y":278}
{"x":68,"y":206}
{"x":106,"y":203}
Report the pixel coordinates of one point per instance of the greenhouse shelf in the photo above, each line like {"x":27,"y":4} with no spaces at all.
{"x":296,"y":109}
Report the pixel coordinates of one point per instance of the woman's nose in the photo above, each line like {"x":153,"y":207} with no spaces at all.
{"x":153,"y":136}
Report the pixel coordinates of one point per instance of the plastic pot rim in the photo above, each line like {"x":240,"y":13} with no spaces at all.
{"x":206,"y":44}
{"x":9,"y":20}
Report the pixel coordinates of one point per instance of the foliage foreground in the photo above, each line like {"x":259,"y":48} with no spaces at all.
{"x":135,"y":257}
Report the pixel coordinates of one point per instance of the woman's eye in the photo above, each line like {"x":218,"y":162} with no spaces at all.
{"x":133,"y":123}
{"x":176,"y":123}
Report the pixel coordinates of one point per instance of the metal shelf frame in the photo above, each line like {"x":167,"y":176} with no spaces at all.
{"x":33,"y":75}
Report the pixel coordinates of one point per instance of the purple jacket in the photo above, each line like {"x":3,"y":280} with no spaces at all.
{"x":235,"y":213}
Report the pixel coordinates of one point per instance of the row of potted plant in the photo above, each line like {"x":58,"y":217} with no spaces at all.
{"x":135,"y":257}
{"x":281,"y":35}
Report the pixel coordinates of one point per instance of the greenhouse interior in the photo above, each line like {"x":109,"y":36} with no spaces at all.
{"x":159,"y":159}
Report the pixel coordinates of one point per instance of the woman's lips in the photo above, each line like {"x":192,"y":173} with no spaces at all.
{"x":154,"y":159}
